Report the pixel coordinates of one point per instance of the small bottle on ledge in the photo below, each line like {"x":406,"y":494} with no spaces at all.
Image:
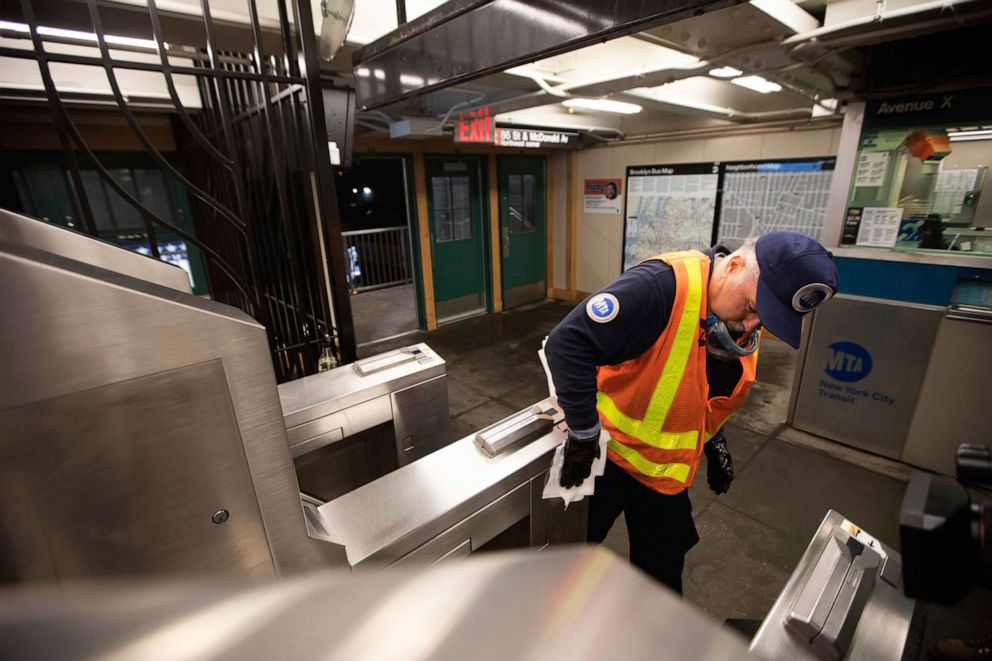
{"x":327,"y":361}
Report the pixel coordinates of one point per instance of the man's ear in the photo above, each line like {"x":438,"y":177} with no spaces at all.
{"x":735,"y":263}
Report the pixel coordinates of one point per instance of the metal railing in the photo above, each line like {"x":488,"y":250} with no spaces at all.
{"x":379,"y":258}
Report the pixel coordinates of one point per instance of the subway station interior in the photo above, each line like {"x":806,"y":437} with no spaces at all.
{"x":277,"y":279}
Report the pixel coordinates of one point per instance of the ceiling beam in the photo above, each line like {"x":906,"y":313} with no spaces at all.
{"x":466,"y":39}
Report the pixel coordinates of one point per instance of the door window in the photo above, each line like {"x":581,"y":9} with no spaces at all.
{"x":522,"y":190}
{"x":452,"y":209}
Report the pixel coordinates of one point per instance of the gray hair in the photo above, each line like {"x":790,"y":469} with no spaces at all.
{"x":750,"y":259}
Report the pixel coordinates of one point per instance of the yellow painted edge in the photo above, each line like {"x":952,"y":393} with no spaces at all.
{"x":423,"y":232}
{"x":571,"y":234}
{"x":549,"y":218}
{"x":497,"y":255}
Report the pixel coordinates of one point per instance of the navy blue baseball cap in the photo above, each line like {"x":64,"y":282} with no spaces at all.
{"x":796,"y":275}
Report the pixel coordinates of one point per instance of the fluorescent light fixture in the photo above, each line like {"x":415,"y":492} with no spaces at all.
{"x":16,"y":27}
{"x":725,"y":72}
{"x":605,"y":105}
{"x":66,"y":34}
{"x":410,"y":80}
{"x":131,"y":41}
{"x":757,"y":83}
{"x":81,"y":36}
{"x":968,"y":136}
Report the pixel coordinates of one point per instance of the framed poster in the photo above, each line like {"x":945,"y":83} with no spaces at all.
{"x":667,"y":208}
{"x":602,"y":196}
{"x":764,"y":196}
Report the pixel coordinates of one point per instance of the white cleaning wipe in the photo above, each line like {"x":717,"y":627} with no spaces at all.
{"x":553,"y":488}
{"x":547,"y":371}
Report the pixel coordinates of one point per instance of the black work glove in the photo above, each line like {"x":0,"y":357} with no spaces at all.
{"x":577,"y":460}
{"x":719,"y":465}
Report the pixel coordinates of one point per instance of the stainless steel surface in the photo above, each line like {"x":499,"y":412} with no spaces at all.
{"x":466,"y":39}
{"x":520,"y":427}
{"x":812,"y":606}
{"x":562,"y":604}
{"x":966,"y":313}
{"x":954,"y":400}
{"x":867,"y":403}
{"x":845,"y":615}
{"x":347,"y":422}
{"x":868,"y":618}
{"x":392,"y":516}
{"x":316,"y":442}
{"x":154,"y":390}
{"x":476,"y":529}
{"x":420,"y":418}
{"x":524,"y":294}
{"x":385,"y":361}
{"x":461,"y":307}
{"x":22,"y":230}
{"x":550,"y":522}
{"x":348,"y":408}
{"x":312,"y":397}
{"x":130,"y":484}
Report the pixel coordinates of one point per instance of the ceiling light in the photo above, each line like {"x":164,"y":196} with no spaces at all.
{"x":131,"y":41}
{"x":967,"y":136}
{"x":606,"y":105}
{"x":80,"y":36}
{"x":16,"y":27}
{"x":410,"y":80}
{"x":725,"y":72}
{"x":758,"y":84}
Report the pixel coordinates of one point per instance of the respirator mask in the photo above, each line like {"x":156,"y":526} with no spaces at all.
{"x":725,"y":344}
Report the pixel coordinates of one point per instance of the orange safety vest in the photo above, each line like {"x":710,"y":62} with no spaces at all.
{"x":655,"y":407}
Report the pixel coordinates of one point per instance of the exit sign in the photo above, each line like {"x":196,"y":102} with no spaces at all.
{"x":476,"y":126}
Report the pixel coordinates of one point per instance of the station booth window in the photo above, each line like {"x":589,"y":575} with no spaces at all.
{"x":919,"y":176}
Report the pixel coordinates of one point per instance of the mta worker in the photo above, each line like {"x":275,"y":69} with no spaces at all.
{"x":660,"y":359}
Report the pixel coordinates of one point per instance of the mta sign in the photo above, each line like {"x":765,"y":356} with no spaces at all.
{"x":848,"y":362}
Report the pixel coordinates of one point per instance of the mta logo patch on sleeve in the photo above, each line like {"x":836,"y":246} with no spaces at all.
{"x":602,"y":308}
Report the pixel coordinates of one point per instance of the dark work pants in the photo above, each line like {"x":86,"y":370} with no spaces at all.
{"x":659,"y":526}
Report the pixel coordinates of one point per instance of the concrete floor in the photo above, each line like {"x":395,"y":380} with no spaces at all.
{"x":383,"y":313}
{"x":751,"y":537}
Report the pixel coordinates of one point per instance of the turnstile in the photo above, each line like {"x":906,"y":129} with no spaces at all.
{"x":844,"y":600}
{"x":353,"y":424}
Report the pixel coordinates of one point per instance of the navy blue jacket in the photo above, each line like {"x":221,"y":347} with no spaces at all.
{"x":577,"y":345}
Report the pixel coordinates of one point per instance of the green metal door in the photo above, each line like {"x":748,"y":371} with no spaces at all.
{"x":458,"y":247}
{"x":523,"y":239}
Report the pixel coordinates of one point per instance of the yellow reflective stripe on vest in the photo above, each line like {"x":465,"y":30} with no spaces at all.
{"x":685,"y":338}
{"x":640,"y":430}
{"x":678,"y":472}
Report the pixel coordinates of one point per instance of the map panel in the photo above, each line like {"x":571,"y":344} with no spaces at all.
{"x":765,"y":196}
{"x":669,"y":208}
